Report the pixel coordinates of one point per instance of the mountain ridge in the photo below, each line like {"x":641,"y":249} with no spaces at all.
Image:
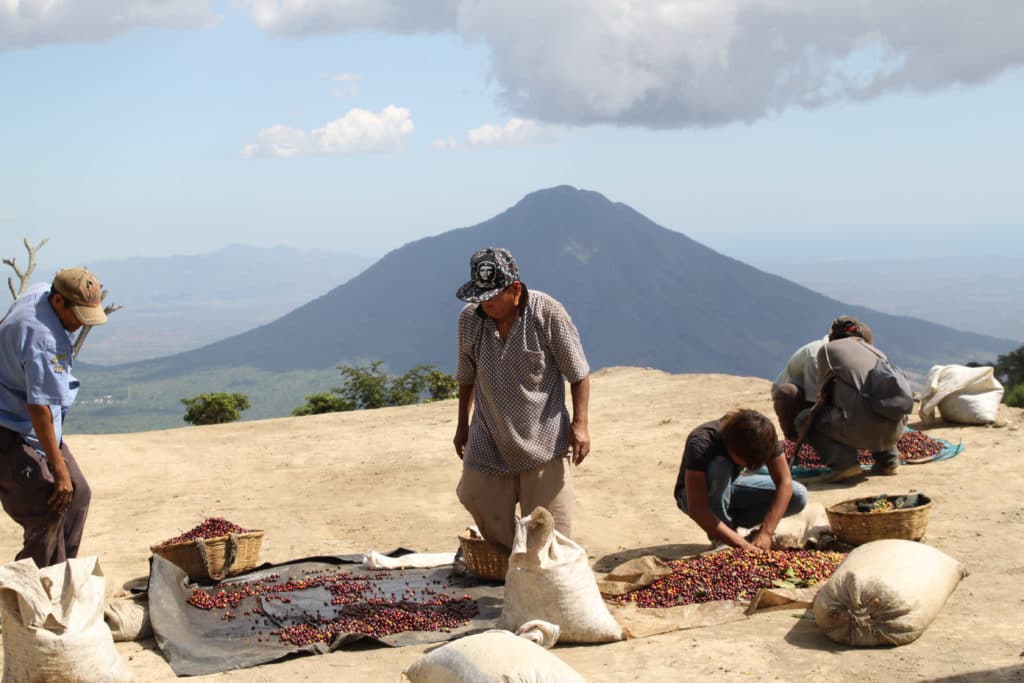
{"x":641,"y":294}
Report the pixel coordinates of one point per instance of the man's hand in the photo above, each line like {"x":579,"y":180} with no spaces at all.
{"x":63,"y":490}
{"x":762,"y":541}
{"x":579,"y":442}
{"x":42,"y":422}
{"x":461,"y":437}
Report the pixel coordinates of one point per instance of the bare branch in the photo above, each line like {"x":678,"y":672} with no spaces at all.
{"x":27,"y":274}
{"x":108,"y":309}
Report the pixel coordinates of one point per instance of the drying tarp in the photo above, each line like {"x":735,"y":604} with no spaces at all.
{"x":197,"y":642}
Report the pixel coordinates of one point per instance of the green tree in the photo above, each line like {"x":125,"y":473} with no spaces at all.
{"x":407,"y":389}
{"x":1015,"y":397}
{"x":368,"y":386}
{"x":323,"y":402}
{"x":441,"y":385}
{"x":1009,"y":369}
{"x":210,"y":409}
{"x":365,"y":386}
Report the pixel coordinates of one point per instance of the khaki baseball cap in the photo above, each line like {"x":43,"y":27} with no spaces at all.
{"x":84,"y":292}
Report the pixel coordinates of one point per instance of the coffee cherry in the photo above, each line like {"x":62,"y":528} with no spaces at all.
{"x":733,"y":574}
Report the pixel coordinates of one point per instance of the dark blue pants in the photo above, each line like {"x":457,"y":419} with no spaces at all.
{"x":743,"y":502}
{"x":25,"y":485}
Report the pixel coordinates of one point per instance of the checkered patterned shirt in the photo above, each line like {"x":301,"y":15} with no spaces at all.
{"x":519,"y":416}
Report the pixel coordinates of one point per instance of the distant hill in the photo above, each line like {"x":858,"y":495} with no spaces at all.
{"x":175,"y":303}
{"x":640,"y":294}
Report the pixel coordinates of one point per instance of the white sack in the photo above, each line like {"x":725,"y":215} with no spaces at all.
{"x":541,"y":632}
{"x":886,"y":593}
{"x":491,"y":657}
{"x":375,"y":560}
{"x":128,"y":618}
{"x":549,"y":578}
{"x":53,"y":627}
{"x":963,"y":395}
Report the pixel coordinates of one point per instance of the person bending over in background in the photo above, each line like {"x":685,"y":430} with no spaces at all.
{"x":796,"y":387}
{"x":514,"y":348}
{"x":711,"y":491}
{"x":41,"y":486}
{"x":846,"y":420}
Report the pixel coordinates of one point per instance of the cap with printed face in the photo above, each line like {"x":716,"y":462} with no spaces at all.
{"x":83,"y":291}
{"x":490,"y":271}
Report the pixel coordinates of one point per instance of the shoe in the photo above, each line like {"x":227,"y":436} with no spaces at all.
{"x":836,"y":476}
{"x":884,"y":470}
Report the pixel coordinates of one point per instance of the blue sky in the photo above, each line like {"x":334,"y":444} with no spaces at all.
{"x":156,"y":127}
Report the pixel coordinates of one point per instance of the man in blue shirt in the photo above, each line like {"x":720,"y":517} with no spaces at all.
{"x":41,"y":486}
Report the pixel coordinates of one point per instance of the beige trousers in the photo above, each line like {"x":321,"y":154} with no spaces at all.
{"x":491,"y":499}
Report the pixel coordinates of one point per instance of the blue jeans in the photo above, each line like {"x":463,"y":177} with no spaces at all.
{"x":744,"y":501}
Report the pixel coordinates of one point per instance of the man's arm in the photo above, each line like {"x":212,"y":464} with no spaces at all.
{"x":698,"y":509}
{"x":42,"y":423}
{"x":462,"y":430}
{"x":778,"y":469}
{"x":579,"y":430}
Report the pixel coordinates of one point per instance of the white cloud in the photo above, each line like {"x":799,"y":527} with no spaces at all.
{"x":358,"y":131}
{"x":29,"y":23}
{"x":676,"y":63}
{"x":514,"y":133}
{"x":345,"y":77}
{"x":278,"y":141}
{"x":304,"y":17}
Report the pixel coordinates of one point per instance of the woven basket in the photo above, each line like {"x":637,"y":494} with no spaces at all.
{"x":855,"y":527}
{"x":215,"y":558}
{"x":483,"y":558}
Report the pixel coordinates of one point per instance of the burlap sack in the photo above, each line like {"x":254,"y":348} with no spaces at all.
{"x":128,"y":618}
{"x":549,"y":578}
{"x":491,"y":656}
{"x":886,"y":593}
{"x":53,"y":628}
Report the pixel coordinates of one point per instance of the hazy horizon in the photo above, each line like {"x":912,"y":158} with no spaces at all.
{"x":147,"y":128}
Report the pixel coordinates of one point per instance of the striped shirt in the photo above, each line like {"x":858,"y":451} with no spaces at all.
{"x":520,"y":420}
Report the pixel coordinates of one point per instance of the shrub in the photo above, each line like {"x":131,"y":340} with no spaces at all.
{"x":323,"y":402}
{"x":368,"y":386}
{"x":1015,"y":397}
{"x":209,"y":409}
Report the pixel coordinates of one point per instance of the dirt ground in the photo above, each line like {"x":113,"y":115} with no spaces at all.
{"x":352,"y":482}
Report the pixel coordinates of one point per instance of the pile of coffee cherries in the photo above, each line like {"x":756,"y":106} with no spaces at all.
{"x":734,"y":574}
{"x":913,"y":446}
{"x":357,"y":604}
{"x":917,"y":446}
{"x":211,"y":527}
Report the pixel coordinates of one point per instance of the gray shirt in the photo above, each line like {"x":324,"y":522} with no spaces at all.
{"x":850,"y":420}
{"x":520,"y":420}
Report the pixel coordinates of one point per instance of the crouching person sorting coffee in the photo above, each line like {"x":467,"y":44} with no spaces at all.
{"x":710,"y":490}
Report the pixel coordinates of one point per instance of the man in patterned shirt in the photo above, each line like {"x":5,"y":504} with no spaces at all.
{"x":514,"y":348}
{"x":41,"y":486}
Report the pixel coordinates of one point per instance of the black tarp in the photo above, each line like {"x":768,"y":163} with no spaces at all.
{"x":197,"y":642}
